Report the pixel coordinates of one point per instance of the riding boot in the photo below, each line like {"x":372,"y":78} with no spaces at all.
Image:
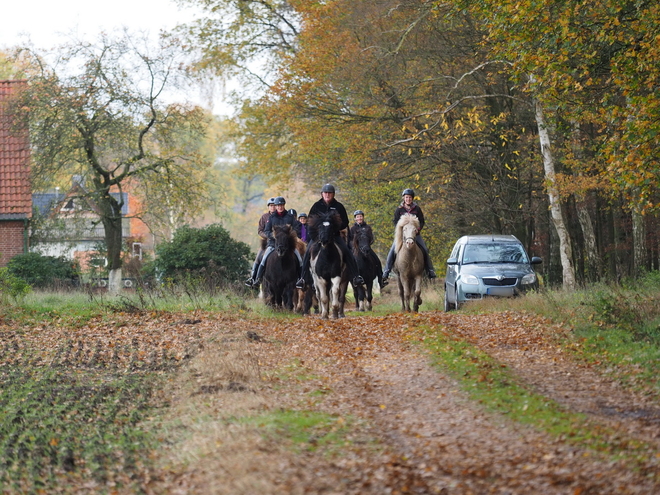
{"x":379,"y":270}
{"x":428,"y":264}
{"x":300,"y":283}
{"x":253,"y":274}
{"x":391,"y":256}
{"x":350,"y":262}
{"x":262,"y":267}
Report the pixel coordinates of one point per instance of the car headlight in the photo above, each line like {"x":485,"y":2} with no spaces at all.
{"x":470,"y":280}
{"x":530,"y":278}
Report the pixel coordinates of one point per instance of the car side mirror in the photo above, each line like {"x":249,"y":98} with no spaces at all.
{"x":452,"y":261}
{"x":536,"y":260}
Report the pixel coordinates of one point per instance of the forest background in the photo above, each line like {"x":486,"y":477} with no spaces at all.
{"x":538,"y":119}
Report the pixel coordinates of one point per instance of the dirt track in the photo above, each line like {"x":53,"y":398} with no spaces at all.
{"x":416,"y":431}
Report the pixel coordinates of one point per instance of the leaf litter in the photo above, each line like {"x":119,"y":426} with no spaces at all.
{"x":412,"y":429}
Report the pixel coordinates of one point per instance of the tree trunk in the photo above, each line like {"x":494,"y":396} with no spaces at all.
{"x":639,"y":242}
{"x":112,"y":224}
{"x":591,"y":254}
{"x":565,"y":251}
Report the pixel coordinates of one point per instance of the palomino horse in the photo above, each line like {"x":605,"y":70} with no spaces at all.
{"x":282,"y":269}
{"x":367,"y":268}
{"x":409,"y":263}
{"x":327,"y":265}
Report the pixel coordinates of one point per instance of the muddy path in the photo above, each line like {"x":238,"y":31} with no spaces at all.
{"x":415,"y":430}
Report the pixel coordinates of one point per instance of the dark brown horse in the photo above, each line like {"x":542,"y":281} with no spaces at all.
{"x":282,"y":269}
{"x":364,"y":257}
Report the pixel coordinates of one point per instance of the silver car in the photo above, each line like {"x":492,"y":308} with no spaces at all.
{"x":488,"y":265}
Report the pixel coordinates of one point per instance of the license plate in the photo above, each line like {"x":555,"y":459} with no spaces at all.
{"x":500,"y":291}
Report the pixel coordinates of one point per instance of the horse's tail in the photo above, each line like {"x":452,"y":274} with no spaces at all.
{"x":301,"y":246}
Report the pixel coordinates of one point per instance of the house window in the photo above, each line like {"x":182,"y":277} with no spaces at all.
{"x":137,"y":250}
{"x":68,"y":206}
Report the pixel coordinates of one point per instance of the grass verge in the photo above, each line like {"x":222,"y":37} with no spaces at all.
{"x":614,"y":327}
{"x":490,"y":383}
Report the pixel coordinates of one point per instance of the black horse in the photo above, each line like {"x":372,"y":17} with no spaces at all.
{"x":327,"y":265}
{"x":366,"y":263}
{"x":282,"y":269}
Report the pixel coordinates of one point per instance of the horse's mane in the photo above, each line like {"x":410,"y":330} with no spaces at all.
{"x":405,"y":219}
{"x":316,"y":222}
{"x":355,"y":243}
{"x":288,"y":231}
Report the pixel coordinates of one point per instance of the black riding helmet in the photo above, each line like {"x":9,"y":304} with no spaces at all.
{"x":358,"y":212}
{"x":279,"y":201}
{"x":302,"y":214}
{"x":408,"y":191}
{"x":293,"y":212}
{"x":328,"y":188}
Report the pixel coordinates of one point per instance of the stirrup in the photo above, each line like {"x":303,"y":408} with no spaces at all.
{"x":432,"y":274}
{"x":358,"y":280}
{"x":384,"y":282}
{"x":249,"y":282}
{"x":300,"y":284}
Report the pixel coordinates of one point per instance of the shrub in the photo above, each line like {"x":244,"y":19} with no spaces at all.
{"x":43,"y":271}
{"x":209,"y":252}
{"x":12,"y":286}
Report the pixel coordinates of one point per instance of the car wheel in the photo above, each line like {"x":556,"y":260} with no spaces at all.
{"x":448,"y":305}
{"x":457,"y":305}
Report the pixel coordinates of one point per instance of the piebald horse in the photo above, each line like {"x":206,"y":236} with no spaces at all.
{"x":327,"y":265}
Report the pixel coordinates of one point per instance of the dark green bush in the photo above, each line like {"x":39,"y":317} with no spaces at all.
{"x":209,"y":252}
{"x":43,"y":271}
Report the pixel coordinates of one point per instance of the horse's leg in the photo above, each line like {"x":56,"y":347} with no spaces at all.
{"x":342,"y":298}
{"x":369,"y":295}
{"x":335,"y":295}
{"x":322,"y":295}
{"x":402,"y":292}
{"x":418,"y":293}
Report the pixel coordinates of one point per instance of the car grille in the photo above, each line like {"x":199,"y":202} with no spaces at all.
{"x":504,"y":282}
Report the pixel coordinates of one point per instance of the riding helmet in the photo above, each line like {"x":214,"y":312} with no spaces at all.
{"x":279,"y":201}
{"x":293,"y":212}
{"x":358,"y":212}
{"x":328,"y":188}
{"x":271,"y":201}
{"x":408,"y":191}
{"x":302,"y":214}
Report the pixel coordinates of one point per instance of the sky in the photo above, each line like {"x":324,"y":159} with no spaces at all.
{"x":48,"y":23}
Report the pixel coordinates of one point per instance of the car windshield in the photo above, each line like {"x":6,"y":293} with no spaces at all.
{"x":494,"y":253}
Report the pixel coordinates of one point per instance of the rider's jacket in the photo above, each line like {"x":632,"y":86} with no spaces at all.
{"x":321,"y":207}
{"x":362,"y":226}
{"x":262,"y":225}
{"x":277,"y":219}
{"x":413,"y":210}
{"x":302,"y":229}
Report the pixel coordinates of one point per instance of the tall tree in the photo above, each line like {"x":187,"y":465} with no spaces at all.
{"x":97,"y":110}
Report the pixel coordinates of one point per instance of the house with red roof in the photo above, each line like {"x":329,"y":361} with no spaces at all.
{"x":15,"y":189}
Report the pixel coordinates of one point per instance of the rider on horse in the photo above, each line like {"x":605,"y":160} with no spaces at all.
{"x":280,"y":217}
{"x":324,"y":205}
{"x":409,"y":206}
{"x":360,"y":224}
{"x":260,"y":230}
{"x":302,"y":229}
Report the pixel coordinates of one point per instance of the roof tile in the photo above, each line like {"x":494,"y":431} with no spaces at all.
{"x":15,"y":187}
